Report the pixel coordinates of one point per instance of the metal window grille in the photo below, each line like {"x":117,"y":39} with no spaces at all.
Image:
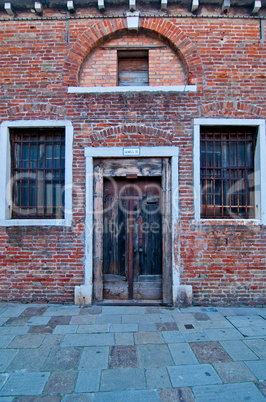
{"x":38,"y":172}
{"x":227,"y":172}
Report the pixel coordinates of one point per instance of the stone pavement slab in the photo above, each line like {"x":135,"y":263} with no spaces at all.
{"x":234,"y":372}
{"x":157,"y":378}
{"x":71,"y":353}
{"x":94,"y":357}
{"x":209,"y":352}
{"x":258,"y":368}
{"x":123,"y":379}
{"x":241,"y":392}
{"x":191,"y":375}
{"x":25,"y":384}
{"x":258,"y":346}
{"x":182,"y":354}
{"x":154,"y":356}
{"x":237,"y":350}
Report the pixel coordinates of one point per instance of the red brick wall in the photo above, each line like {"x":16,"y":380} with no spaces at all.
{"x":224,"y":263}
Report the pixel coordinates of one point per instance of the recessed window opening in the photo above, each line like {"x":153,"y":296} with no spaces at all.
{"x":37,"y":172}
{"x":133,"y":67}
{"x":227,"y":173}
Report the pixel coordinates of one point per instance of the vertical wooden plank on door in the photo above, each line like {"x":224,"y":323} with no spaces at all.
{"x":98,"y":233}
{"x":166,"y":229}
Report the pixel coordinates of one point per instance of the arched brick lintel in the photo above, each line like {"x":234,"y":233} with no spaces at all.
{"x":230,"y":109}
{"x":132,"y":129}
{"x":166,"y":30}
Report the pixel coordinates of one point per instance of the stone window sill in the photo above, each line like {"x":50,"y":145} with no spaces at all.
{"x":133,"y":89}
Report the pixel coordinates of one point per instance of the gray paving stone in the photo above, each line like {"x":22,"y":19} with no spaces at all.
{"x":88,"y":340}
{"x":123,"y":379}
{"x":173,"y":337}
{"x":258,"y":368}
{"x":65,"y":329}
{"x":27,"y":341}
{"x":6,"y":398}
{"x":176,"y":395}
{"x":215,"y":324}
{"x":124,"y":327}
{"x":62,"y":359}
{"x":79,"y":398}
{"x":154,"y":356}
{"x":14,"y":321}
{"x":262,"y":387}
{"x":13,"y":311}
{"x":25,"y":384}
{"x":195,"y":337}
{"x":147,"y":327}
{"x":124,"y":338}
{"x":223,"y":334}
{"x":123,"y":310}
{"x":59,"y":320}
{"x":184,"y":317}
{"x":209,"y":352}
{"x":127,"y":396}
{"x":157,"y":378}
{"x":166,"y":326}
{"x":83,"y":319}
{"x":247,"y":310}
{"x":19,"y":330}
{"x":238,"y":350}
{"x":61,"y":382}
{"x":182,"y":354}
{"x":90,"y":310}
{"x":38,"y":320}
{"x":95,"y":357}
{"x":234,"y":372}
{"x":254,"y":331}
{"x":51,"y":340}
{"x":62,"y":310}
{"x":246,"y":321}
{"x":240,"y":392}
{"x":201,"y":316}
{"x":108,"y":319}
{"x":188,"y":327}
{"x":144,"y":338}
{"x":38,"y":398}
{"x":6,"y":357}
{"x":3,"y":379}
{"x":191,"y":375}
{"x":28,"y":360}
{"x":5,"y":340}
{"x":258,"y":346}
{"x":137,"y":319}
{"x":88,"y":381}
{"x":93,"y":329}
{"x":3,"y":320}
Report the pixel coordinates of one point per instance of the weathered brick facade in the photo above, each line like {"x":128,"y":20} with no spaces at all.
{"x":224,"y":56}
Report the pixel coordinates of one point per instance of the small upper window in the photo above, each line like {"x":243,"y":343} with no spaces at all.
{"x":133,"y":67}
{"x":37,"y":172}
{"x":227,"y":171}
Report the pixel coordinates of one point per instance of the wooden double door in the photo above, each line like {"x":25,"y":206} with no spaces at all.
{"x":132,"y":259}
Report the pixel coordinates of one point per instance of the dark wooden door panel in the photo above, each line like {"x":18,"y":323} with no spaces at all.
{"x":132,"y":238}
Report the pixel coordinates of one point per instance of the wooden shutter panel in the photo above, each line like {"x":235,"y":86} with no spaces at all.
{"x":133,"y":68}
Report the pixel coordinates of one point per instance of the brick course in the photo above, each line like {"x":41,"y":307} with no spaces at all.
{"x":224,"y":263}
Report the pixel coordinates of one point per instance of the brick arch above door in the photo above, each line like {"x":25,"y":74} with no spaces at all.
{"x":132,"y":134}
{"x":166,"y":30}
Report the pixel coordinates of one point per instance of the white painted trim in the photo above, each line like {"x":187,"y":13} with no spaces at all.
{"x":260,"y":166}
{"x":142,"y":89}
{"x":5,"y":195}
{"x":83,"y":293}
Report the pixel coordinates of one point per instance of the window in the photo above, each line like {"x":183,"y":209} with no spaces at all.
{"x":37,"y":172}
{"x":36,"y":159}
{"x":229,"y":167}
{"x":227,"y":171}
{"x":133,"y":67}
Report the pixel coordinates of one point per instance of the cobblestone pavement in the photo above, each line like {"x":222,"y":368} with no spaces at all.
{"x":115,"y":353}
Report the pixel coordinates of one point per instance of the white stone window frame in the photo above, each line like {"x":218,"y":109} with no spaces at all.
{"x":260,"y":169}
{"x":5,"y":169}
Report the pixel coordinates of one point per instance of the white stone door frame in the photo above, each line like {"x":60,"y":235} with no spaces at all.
{"x":84,"y":293}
